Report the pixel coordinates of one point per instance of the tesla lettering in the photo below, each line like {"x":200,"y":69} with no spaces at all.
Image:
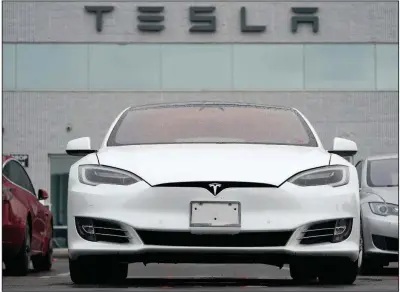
{"x":98,"y":11}
{"x":203,"y":19}
{"x":151,"y":18}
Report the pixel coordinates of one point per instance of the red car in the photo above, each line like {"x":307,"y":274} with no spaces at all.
{"x":27,"y":223}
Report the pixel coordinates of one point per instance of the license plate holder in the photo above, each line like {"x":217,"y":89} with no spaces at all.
{"x":215,"y":214}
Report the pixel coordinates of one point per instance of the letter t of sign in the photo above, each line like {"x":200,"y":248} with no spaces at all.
{"x":99,"y":10}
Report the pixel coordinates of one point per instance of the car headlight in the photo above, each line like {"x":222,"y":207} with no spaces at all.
{"x":334,"y":176}
{"x":96,"y":174}
{"x":384,"y":209}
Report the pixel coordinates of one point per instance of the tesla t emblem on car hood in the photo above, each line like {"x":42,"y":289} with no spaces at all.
{"x":214,"y":187}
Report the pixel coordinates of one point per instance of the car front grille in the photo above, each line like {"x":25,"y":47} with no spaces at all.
{"x":109,"y":232}
{"x":243,"y":239}
{"x":386,"y":243}
{"x":319,"y":233}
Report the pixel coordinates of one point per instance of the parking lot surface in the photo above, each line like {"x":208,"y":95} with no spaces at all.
{"x":199,"y":278}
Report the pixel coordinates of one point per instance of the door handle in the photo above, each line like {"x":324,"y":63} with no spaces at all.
{"x":7,"y":193}
{"x":8,"y":189}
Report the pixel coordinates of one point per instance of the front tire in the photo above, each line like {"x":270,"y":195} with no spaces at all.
{"x":96,"y":271}
{"x":369,"y":265}
{"x":302,"y":273}
{"x":340,"y":272}
{"x":44,"y":262}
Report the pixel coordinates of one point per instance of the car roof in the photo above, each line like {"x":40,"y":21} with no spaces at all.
{"x":6,"y":157}
{"x":383,"y":156}
{"x":208,"y":103}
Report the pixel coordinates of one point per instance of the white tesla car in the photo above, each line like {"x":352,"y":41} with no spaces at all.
{"x":213,"y":183}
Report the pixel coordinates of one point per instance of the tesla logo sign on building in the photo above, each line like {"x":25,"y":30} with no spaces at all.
{"x":203,"y":19}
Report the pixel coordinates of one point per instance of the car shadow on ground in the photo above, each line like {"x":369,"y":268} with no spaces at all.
{"x":31,"y":272}
{"x":177,"y":282}
{"x":385,"y":272}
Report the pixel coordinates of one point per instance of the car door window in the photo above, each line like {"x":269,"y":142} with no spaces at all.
{"x":11,"y":172}
{"x":15,"y":173}
{"x":359,"y":166}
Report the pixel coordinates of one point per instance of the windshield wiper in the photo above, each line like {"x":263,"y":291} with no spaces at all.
{"x":220,"y":107}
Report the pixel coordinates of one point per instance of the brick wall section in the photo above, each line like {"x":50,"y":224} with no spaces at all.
{"x":35,"y":122}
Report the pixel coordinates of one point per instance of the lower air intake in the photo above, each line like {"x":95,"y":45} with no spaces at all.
{"x":328,"y":231}
{"x":386,"y":243}
{"x":243,"y":239}
{"x":100,"y":230}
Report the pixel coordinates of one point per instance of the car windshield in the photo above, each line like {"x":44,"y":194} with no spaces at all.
{"x":211,"y":124}
{"x":383,"y":172}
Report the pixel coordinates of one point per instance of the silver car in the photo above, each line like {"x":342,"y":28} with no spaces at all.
{"x":379,"y":192}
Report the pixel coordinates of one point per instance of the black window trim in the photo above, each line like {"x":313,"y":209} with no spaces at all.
{"x":361,"y":174}
{"x":13,"y":159}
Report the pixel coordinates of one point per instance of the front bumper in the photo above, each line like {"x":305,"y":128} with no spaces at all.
{"x":141,"y":207}
{"x":381,"y":234}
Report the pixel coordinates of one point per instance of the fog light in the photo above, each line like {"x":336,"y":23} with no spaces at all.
{"x":88,"y":229}
{"x":342,"y":229}
{"x":85,"y":228}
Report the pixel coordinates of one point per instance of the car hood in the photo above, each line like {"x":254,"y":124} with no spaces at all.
{"x":389,"y":195}
{"x":158,"y":164}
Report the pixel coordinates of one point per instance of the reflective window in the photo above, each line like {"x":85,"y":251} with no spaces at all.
{"x":211,"y":124}
{"x":59,"y":169}
{"x":52,"y":66}
{"x":339,"y":67}
{"x":271,"y":67}
{"x":387,"y":67}
{"x":125,"y":67}
{"x":196,"y":67}
{"x":8,"y":67}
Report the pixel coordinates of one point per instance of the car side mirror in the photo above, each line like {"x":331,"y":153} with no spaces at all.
{"x":42,"y":194}
{"x":79,"y":147}
{"x":344,"y":147}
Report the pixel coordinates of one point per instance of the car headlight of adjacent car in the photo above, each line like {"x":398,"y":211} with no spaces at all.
{"x":384,"y":209}
{"x":97,"y":174}
{"x":335,"y":176}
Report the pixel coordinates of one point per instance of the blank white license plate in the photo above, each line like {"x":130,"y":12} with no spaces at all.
{"x":215,"y":214}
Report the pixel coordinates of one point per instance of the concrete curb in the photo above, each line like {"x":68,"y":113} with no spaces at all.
{"x":60,"y":253}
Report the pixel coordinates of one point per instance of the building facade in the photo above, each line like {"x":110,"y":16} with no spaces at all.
{"x":69,"y":67}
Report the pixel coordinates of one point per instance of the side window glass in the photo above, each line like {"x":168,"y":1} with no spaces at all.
{"x":11,"y":172}
{"x":24,"y":179}
{"x":6,"y":171}
{"x":18,"y":175}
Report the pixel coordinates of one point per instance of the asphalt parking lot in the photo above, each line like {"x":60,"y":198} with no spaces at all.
{"x":204,"y":278}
